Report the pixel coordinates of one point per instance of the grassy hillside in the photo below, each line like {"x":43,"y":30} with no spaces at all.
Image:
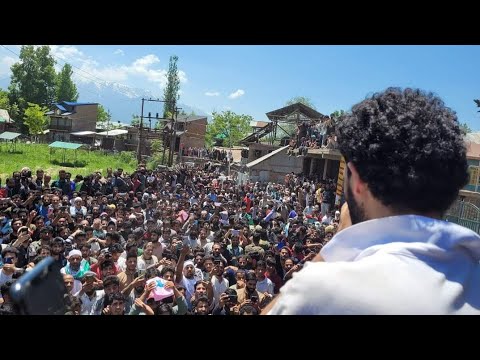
{"x":40,"y":156}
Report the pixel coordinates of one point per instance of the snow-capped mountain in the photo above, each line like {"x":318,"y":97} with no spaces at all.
{"x":124,"y":101}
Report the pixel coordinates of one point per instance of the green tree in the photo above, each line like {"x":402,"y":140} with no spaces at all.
{"x":66,"y":88}
{"x":135,"y":120}
{"x":465,"y":129}
{"x":35,"y":119}
{"x":103,"y":116}
{"x":33,"y":79}
{"x":170,"y":94}
{"x":156,"y":146}
{"x":301,"y":99}
{"x":229,"y":125}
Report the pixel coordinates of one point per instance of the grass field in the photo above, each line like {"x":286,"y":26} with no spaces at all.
{"x":39,"y":156}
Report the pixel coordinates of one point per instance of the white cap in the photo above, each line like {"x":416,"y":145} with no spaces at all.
{"x":75,"y":253}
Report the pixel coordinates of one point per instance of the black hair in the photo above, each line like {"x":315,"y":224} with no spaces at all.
{"x":111,"y":280}
{"x":408,"y":147}
{"x":9,"y":249}
{"x":131,"y":254}
{"x":249,"y":309}
{"x":166,"y":269}
{"x":115,"y":236}
{"x":164,"y":309}
{"x":230,"y":291}
{"x":5,"y":288}
{"x":118,"y":296}
{"x":58,"y":240}
{"x":250,"y":276}
{"x":106,"y":263}
{"x":151,"y":272}
{"x":262,"y":264}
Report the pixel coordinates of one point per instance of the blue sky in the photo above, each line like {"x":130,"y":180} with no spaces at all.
{"x":256,"y":79}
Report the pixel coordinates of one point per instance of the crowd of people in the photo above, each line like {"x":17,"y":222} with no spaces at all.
{"x":189,"y":240}
{"x":220,"y":248}
{"x":220,"y":155}
{"x":312,"y":135}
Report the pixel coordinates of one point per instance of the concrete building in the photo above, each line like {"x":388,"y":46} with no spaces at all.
{"x":67,"y":117}
{"x":274,"y":166}
{"x":190,"y":131}
{"x":471,"y":191}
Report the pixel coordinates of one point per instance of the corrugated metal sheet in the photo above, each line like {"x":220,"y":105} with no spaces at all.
{"x":64,"y":145}
{"x":7,"y":135}
{"x":4,"y":116}
{"x":69,"y":103}
{"x":114,"y":132}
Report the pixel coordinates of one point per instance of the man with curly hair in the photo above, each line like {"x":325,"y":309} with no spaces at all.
{"x":406,"y":162}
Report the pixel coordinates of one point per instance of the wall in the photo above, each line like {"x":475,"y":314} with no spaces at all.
{"x":84,"y":118}
{"x":276,"y":167}
{"x":194,"y":136}
{"x":264,"y":149}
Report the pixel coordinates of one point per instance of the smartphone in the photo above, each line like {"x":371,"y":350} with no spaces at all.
{"x":8,"y":260}
{"x":235,"y":232}
{"x":40,"y":291}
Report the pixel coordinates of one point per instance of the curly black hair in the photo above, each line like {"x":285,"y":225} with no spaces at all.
{"x":408,"y":147}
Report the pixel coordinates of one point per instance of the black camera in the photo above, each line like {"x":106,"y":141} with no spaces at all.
{"x":254,"y":298}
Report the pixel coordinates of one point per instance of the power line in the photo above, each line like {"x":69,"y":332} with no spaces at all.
{"x":96,"y":94}
{"x":100,"y":82}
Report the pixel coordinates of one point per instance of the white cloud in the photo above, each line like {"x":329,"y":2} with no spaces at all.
{"x":182,"y":76}
{"x":86,"y":69}
{"x":5,"y":63}
{"x":212,"y":93}
{"x":236,"y":94}
{"x":66,"y":52}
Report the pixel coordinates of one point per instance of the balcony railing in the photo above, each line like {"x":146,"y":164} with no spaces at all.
{"x":60,"y":127}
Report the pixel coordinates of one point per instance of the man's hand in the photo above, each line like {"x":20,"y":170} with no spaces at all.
{"x":137,"y":281}
{"x":185,"y":250}
{"x":169,"y":284}
{"x":140,"y":304}
{"x":223,"y":300}
{"x":106,"y":311}
{"x":149,"y":287}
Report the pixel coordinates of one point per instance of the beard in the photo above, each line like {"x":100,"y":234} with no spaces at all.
{"x":357,"y":211}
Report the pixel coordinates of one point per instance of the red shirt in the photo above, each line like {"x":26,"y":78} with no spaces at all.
{"x":277,"y":281}
{"x":248,"y":203}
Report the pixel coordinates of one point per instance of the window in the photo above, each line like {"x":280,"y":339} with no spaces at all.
{"x":474,"y":172}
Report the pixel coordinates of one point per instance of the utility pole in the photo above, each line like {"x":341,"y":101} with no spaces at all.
{"x":173,"y":134}
{"x":139,"y":148}
{"x":141,"y":140}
